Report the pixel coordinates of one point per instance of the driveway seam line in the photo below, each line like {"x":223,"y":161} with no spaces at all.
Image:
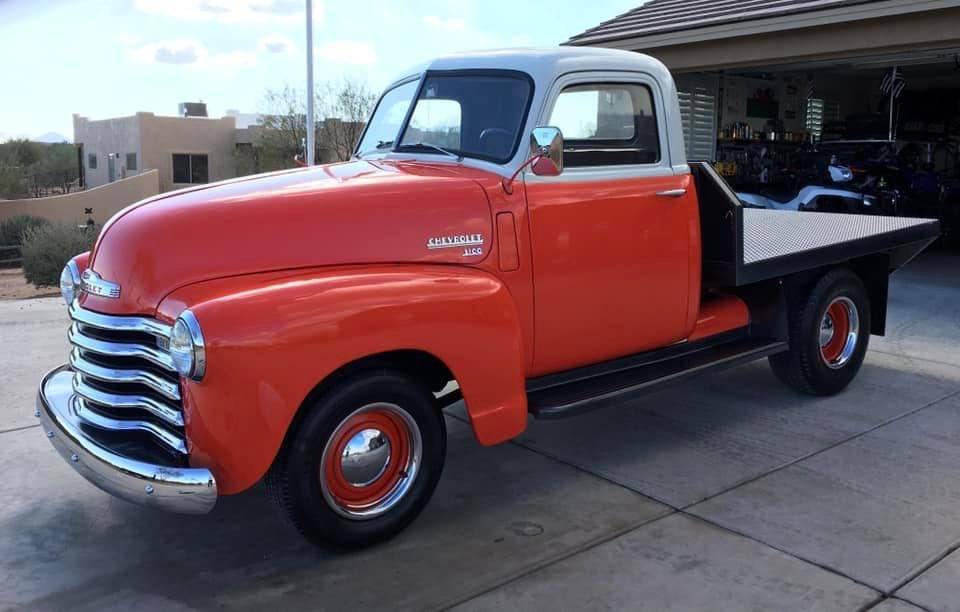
{"x":897,"y":598}
{"x":936,"y":361}
{"x":684,"y":510}
{"x":13,"y":429}
{"x":600,"y":541}
{"x":562,"y":461}
{"x":792,"y":555}
{"x":923,"y":569}
{"x":829,"y":447}
{"x":674,"y":510}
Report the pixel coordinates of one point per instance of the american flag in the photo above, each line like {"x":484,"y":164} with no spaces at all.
{"x":893,"y":83}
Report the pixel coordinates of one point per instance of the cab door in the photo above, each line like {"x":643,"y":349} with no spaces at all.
{"x":612,"y":236}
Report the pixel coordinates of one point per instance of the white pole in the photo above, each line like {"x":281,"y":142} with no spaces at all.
{"x":893,"y":88}
{"x":310,"y":120}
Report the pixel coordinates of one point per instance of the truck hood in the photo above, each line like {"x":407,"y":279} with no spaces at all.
{"x":350,"y":213}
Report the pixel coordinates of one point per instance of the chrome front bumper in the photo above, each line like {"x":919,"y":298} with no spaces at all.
{"x":174,"y":489}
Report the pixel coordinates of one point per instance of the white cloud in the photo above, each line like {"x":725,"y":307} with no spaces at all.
{"x":170,"y":52}
{"x":190,"y":53}
{"x":348,"y":52}
{"x":450,"y":23}
{"x":276,"y":44}
{"x":232,"y":11}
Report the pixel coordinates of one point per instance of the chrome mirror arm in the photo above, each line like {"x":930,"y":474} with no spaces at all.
{"x":508,"y":183}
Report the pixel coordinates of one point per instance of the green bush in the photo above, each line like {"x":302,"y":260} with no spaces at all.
{"x":12,"y":229}
{"x":47,"y":248}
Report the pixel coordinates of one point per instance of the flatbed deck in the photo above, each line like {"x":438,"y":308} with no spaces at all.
{"x":779,"y":242}
{"x":742,"y":245}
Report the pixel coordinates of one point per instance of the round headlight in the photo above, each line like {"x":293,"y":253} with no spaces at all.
{"x":187,"y":348}
{"x":70,"y":282}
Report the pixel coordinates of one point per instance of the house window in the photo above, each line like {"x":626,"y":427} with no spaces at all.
{"x":92,"y":161}
{"x":190,"y":169}
{"x":131,"y":161}
{"x":608,"y":124}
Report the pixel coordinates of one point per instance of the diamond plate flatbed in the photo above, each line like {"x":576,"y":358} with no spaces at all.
{"x":769,"y":234}
{"x":747,"y":245}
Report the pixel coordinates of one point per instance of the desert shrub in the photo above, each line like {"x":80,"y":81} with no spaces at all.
{"x":47,"y":248}
{"x":12,"y":229}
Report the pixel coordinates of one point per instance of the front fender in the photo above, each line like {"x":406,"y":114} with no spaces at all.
{"x":272,"y":338}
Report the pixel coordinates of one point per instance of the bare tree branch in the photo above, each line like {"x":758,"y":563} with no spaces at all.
{"x":344,"y":107}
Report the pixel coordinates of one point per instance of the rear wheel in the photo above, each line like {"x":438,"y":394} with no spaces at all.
{"x":829,"y":334}
{"x":363,"y":463}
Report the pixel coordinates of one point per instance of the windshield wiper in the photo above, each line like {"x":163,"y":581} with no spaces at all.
{"x":381,"y":145}
{"x":427,"y":145}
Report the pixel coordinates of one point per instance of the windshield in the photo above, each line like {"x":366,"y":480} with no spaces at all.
{"x":388,"y":118}
{"x":467,"y":114}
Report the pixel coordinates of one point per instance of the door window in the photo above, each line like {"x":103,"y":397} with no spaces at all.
{"x":607,"y":124}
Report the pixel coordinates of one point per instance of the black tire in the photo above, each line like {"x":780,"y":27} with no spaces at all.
{"x":294,"y":480}
{"x":805,"y":367}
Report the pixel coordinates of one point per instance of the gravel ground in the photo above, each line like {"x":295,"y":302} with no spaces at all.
{"x":14,"y":287}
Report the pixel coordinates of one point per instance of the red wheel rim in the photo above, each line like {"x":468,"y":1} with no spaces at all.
{"x":839,"y":332}
{"x":382,"y":430}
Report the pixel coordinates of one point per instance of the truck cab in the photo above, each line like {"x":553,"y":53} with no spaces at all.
{"x":519,"y":230}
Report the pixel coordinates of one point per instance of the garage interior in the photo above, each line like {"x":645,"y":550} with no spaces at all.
{"x":775,"y":92}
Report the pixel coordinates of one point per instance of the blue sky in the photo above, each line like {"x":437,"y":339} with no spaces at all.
{"x":108,"y":58}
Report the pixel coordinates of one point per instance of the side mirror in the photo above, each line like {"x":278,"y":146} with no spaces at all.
{"x":546,"y":155}
{"x":546,"y":150}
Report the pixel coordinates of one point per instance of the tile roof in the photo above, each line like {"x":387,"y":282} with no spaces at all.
{"x":664,"y":16}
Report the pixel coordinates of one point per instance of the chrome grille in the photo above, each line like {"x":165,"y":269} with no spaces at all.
{"x":124,"y":379}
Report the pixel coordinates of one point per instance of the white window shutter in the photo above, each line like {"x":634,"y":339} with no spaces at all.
{"x":698,"y":110}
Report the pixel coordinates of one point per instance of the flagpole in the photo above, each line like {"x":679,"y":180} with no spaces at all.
{"x":893,"y":87}
{"x":310,"y":119}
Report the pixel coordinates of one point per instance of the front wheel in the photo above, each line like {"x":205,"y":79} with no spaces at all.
{"x":829,"y":334}
{"x":363,"y":463}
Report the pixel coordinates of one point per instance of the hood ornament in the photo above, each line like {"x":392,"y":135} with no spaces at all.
{"x":93,"y":283}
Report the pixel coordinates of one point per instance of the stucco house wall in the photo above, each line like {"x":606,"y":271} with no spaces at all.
{"x":161,"y":137}
{"x":155,"y":139}
{"x":118,"y":136}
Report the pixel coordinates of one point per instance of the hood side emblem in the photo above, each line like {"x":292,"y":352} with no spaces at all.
{"x":453,"y":242}
{"x":93,"y":283}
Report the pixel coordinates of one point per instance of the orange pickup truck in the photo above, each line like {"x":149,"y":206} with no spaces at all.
{"x":519,"y":229}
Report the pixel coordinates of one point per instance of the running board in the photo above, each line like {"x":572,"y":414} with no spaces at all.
{"x":585,"y":394}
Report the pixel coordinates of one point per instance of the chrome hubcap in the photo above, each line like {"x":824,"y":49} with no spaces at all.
{"x":839,"y":332}
{"x":826,"y":330}
{"x":365,"y":457}
{"x":370,"y":461}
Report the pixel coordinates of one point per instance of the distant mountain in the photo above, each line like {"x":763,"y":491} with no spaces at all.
{"x":51,"y":137}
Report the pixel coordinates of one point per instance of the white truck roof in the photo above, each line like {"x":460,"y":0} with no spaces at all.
{"x":546,"y":65}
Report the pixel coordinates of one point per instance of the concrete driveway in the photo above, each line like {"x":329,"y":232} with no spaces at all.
{"x":730,"y":493}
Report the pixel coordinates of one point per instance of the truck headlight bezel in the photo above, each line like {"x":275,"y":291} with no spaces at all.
{"x":187,"y":348}
{"x":70,"y":282}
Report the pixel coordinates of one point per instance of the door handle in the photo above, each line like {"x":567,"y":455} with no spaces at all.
{"x":672,"y":193}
